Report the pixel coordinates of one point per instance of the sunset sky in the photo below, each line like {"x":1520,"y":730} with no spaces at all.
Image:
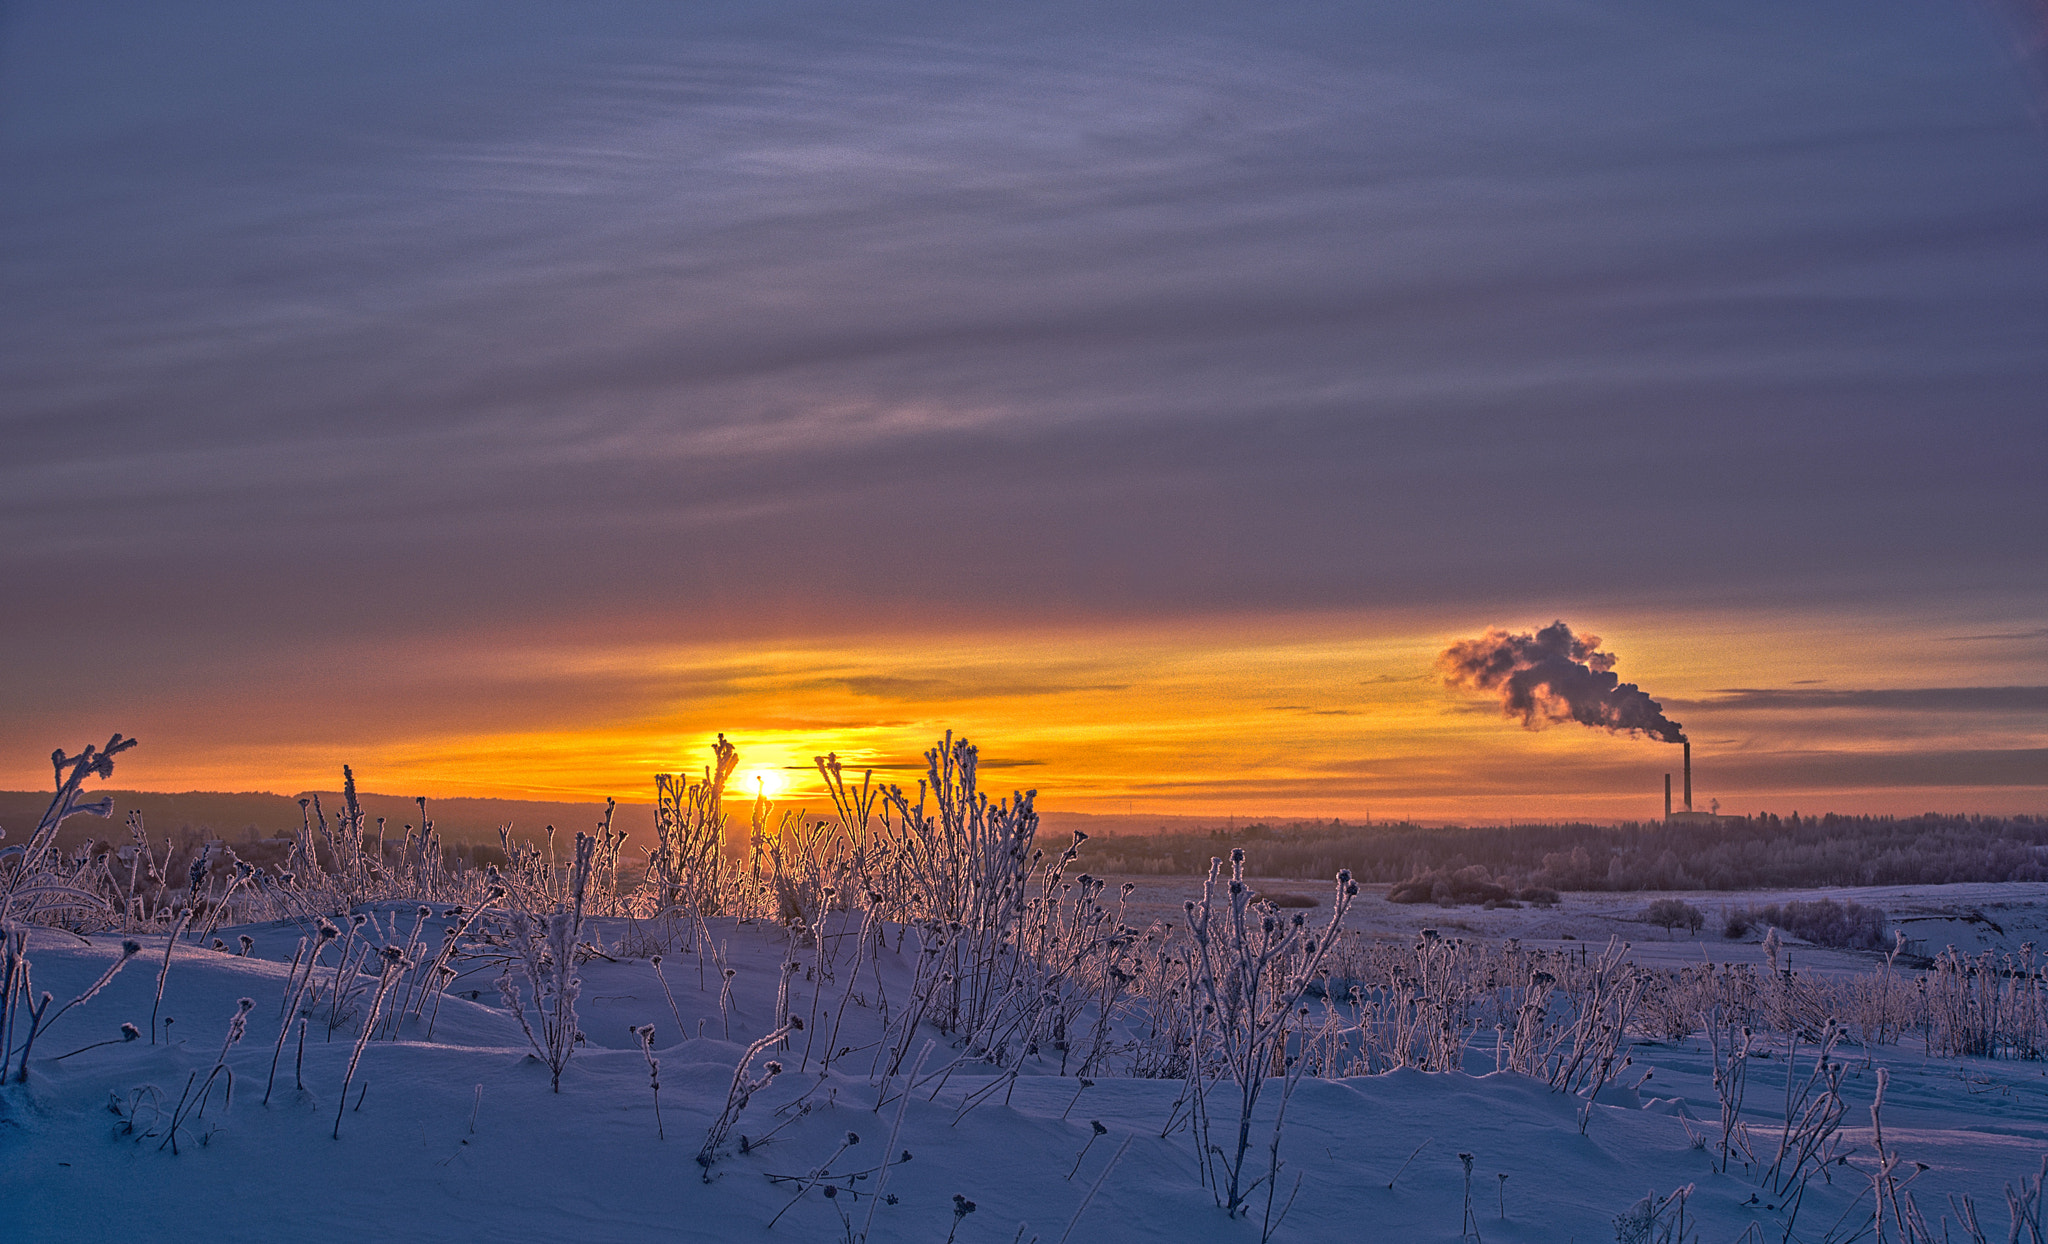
{"x":506,"y":398}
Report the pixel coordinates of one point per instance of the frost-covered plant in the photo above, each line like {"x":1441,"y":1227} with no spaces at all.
{"x":34,"y":886}
{"x":645,"y":1033}
{"x":1250,"y":969}
{"x":822,"y":1175}
{"x":347,"y":985}
{"x":27,"y":890}
{"x":38,"y":1024}
{"x":1657,"y":1220}
{"x":164,"y":973}
{"x":742,"y":1090}
{"x":1986,"y":1005}
{"x":687,"y":866}
{"x":1730,"y":1041}
{"x":1811,"y":1136}
{"x":544,"y":949}
{"x":129,"y":1032}
{"x":961,"y":863}
{"x":295,"y":995}
{"x":394,"y":965}
{"x":190,"y":1105}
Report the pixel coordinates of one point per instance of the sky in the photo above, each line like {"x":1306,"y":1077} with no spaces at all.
{"x":506,"y":398}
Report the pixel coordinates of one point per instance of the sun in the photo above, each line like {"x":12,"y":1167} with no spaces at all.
{"x":763,"y":781}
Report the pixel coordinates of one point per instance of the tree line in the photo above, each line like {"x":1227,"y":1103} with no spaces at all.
{"x":1735,"y":854}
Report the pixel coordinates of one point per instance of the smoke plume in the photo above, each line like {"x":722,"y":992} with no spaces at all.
{"x":1554,"y":675}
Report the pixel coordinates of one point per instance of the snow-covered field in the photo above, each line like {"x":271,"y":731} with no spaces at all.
{"x":459,"y":1137}
{"x":1973,"y":918}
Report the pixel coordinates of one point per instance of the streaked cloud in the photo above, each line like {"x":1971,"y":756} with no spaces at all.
{"x":513,"y":394}
{"x":1902,"y":699}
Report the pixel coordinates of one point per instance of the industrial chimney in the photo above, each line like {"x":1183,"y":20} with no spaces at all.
{"x":1688,"y":775}
{"x":1667,"y":796}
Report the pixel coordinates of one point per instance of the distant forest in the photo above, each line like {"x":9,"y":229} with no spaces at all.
{"x":1736,"y":854}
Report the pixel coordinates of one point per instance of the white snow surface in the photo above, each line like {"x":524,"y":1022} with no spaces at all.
{"x":459,"y":1137}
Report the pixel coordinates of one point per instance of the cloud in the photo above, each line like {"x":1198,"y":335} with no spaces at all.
{"x":1142,"y":323}
{"x":1915,"y":699}
{"x":2037,"y":633}
{"x":388,"y":323}
{"x":943,"y":690}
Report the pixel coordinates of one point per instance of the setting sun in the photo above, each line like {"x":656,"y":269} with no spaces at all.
{"x":768,"y":783}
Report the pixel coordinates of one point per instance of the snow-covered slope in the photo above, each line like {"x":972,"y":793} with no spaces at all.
{"x":460,"y":1138}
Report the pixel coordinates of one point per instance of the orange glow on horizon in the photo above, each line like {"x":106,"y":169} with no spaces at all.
{"x":1320,"y":718}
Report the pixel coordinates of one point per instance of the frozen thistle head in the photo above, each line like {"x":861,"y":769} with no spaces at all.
{"x":130,"y":948}
{"x":248,"y":943}
{"x":130,"y":1032}
{"x":1096,"y":1126}
{"x":773,"y":1067}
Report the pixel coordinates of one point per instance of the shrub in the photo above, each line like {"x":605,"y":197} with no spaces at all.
{"x":1288,"y":900}
{"x":1446,"y":888}
{"x":1671,"y":913}
{"x":1824,"y":922}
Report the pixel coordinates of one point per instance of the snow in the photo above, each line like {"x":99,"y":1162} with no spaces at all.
{"x":459,"y":1137}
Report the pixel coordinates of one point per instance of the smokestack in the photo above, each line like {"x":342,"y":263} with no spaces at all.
{"x":1667,"y":796}
{"x":1688,"y":775}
